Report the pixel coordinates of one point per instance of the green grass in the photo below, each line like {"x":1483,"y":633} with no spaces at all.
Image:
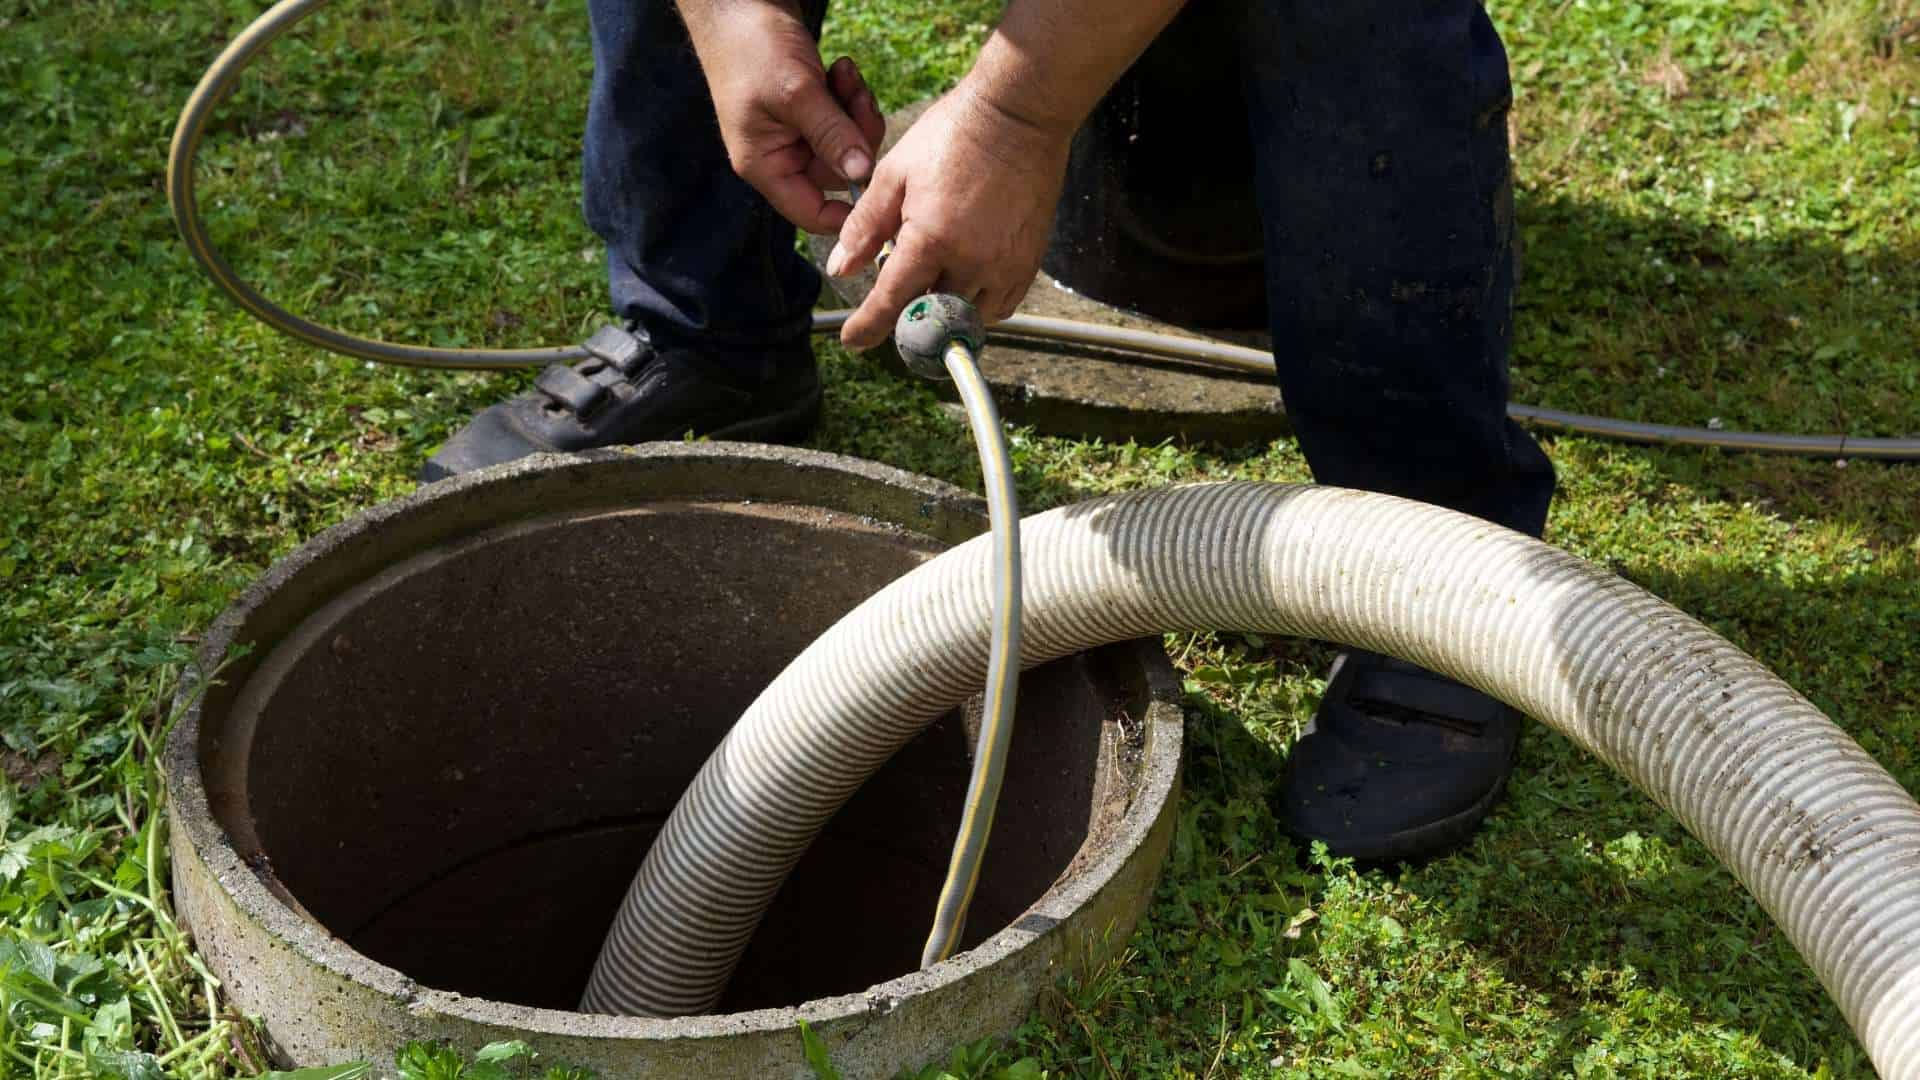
{"x":1718,"y":200}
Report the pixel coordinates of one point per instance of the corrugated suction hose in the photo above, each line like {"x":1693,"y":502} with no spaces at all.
{"x":1825,"y":839}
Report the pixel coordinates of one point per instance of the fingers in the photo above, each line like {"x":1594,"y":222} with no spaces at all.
{"x":836,"y":147}
{"x":805,"y":104}
{"x":801,"y":201}
{"x":994,"y":301}
{"x":875,"y":220}
{"x":909,"y":274}
{"x":850,"y":87}
{"x":1000,"y":305}
{"x":968,"y":287}
{"x":822,"y":174}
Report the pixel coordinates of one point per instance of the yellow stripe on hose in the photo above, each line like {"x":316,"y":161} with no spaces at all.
{"x":1003,"y":658}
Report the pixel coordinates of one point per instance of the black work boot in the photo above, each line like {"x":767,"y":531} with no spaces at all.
{"x":1398,"y":764}
{"x":626,"y":392}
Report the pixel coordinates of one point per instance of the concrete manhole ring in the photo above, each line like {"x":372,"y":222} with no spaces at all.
{"x":408,"y":811}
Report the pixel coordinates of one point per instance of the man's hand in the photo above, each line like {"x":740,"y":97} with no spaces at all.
{"x":968,"y":197}
{"x":969,"y":192}
{"x":792,"y":129}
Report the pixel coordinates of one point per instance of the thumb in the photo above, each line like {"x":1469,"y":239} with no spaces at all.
{"x":874,"y":220}
{"x":812,"y":110}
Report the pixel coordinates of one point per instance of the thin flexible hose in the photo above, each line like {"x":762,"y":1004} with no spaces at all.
{"x":220,"y":78}
{"x":1003,"y":658}
{"x":1257,"y":362}
{"x":212,"y":89}
{"x":1825,"y":839}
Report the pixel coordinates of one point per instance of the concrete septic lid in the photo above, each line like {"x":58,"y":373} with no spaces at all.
{"x":408,"y":811}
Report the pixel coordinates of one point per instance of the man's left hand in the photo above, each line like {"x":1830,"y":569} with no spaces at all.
{"x":967,"y":196}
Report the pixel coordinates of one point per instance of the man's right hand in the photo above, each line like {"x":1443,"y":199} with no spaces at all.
{"x":793,"y":129}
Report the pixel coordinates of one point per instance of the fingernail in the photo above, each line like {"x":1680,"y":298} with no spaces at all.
{"x":836,"y":260}
{"x":854,"y":166}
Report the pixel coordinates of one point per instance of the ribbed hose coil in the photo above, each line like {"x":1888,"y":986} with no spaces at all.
{"x":1825,"y":839}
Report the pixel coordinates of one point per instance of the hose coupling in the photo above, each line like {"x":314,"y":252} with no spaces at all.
{"x":929,"y":325}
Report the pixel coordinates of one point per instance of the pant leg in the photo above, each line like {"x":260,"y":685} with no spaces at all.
{"x":1380,"y":139}
{"x":693,"y":253}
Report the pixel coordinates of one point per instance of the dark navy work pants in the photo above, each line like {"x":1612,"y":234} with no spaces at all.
{"x":1380,"y":137}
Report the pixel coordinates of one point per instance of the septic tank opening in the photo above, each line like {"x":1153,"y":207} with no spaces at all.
{"x":457,"y":765}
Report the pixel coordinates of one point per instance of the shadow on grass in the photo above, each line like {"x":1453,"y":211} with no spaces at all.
{"x":1671,"y":320}
{"x":1668,"y":320}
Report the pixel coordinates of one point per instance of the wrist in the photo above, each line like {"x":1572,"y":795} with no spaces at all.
{"x":710,"y":21}
{"x":1009,"y":128}
{"x":1004,"y":82}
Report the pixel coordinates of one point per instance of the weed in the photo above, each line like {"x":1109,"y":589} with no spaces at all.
{"x":512,"y":1060}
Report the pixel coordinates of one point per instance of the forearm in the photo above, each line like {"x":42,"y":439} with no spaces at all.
{"x":706,"y":18}
{"x":1049,"y":62}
